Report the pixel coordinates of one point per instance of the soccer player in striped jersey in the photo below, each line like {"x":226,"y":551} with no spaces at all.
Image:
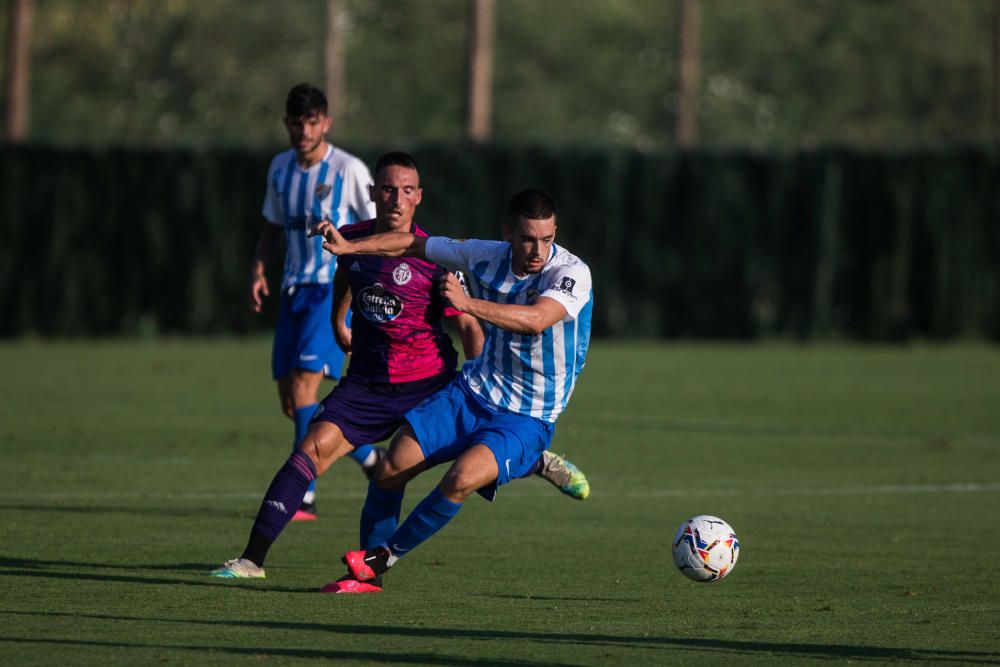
{"x":498,"y":416}
{"x":311,"y":182}
{"x":400,"y":356}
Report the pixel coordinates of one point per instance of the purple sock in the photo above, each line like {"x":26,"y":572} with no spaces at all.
{"x":284,"y":495}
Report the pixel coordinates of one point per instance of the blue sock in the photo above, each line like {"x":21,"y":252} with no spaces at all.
{"x":284,"y":495}
{"x":379,"y":516}
{"x":361,"y":453}
{"x":303,"y":416}
{"x":427,"y":518}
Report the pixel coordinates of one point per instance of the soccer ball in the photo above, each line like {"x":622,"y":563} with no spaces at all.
{"x":706,"y":548}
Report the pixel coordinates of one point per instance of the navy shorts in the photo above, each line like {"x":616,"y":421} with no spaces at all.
{"x":368,"y":412}
{"x":454,"y":420}
{"x":303,"y":337}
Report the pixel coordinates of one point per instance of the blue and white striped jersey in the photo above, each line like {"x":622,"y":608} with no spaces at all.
{"x":335,"y":189}
{"x":528,"y":375}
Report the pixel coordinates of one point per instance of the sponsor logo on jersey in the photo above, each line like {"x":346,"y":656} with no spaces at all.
{"x":379,"y":305}
{"x":566,"y":286}
{"x":402,"y":274}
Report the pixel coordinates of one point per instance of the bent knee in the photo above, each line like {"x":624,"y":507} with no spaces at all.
{"x":458,"y":483}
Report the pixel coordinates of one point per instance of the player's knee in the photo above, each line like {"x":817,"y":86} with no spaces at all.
{"x":458,"y":484}
{"x":388,"y":476}
{"x":310,"y":447}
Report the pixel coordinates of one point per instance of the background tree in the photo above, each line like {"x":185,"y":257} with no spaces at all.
{"x":774,"y":73}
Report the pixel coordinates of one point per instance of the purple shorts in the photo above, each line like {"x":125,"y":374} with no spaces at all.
{"x":369,"y":412}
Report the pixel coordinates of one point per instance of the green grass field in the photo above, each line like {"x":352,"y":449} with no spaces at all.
{"x":863,"y":482}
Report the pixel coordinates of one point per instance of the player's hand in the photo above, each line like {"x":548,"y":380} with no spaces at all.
{"x":258,"y":289}
{"x":333,"y":242}
{"x":453,"y":291}
{"x":342,"y":334}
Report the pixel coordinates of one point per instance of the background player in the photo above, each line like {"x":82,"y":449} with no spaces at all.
{"x":311,"y":182}
{"x":498,"y":416}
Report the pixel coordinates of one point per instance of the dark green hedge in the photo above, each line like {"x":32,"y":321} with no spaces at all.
{"x":881,"y":246}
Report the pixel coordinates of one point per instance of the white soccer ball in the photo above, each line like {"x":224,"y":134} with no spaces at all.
{"x":705,"y":548}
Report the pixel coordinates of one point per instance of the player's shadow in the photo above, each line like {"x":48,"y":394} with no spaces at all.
{"x":372,"y":657}
{"x":723,"y":647}
{"x":70,"y":570}
{"x":200,"y":512}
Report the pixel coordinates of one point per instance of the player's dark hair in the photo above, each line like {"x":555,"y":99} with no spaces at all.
{"x":305,"y":101}
{"x":395,"y":159}
{"x":531,"y":204}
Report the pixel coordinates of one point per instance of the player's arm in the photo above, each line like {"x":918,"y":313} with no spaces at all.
{"x":469,"y":332}
{"x":341,"y":306}
{"x":387,"y":244}
{"x":530,"y":319}
{"x":268,"y":242}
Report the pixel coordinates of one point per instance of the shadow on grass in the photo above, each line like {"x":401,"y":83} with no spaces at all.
{"x":319,"y":654}
{"x":723,"y":646}
{"x":32,"y":568}
{"x":200,"y":512}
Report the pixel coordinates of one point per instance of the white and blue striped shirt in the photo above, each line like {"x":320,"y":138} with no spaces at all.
{"x":335,"y":189}
{"x":525,"y":374}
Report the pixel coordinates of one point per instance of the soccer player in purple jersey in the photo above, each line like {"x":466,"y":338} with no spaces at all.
{"x":400,"y":355}
{"x":310,"y":182}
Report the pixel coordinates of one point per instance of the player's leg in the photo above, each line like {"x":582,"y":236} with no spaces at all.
{"x":507,"y":447}
{"x":380,"y":513}
{"x":299,"y":391}
{"x":472,"y":470}
{"x":323,"y":444}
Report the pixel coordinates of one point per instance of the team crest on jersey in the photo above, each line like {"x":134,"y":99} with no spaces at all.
{"x":379,"y":305}
{"x":402,"y":274}
{"x":323,"y":191}
{"x":532,"y":295}
{"x":566,"y":286}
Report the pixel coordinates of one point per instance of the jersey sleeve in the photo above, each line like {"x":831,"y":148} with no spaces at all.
{"x":272,"y":202}
{"x":356,"y":195}
{"x":570,"y":285}
{"x":457,"y":254}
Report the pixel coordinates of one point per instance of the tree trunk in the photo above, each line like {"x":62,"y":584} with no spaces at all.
{"x":689,"y":47}
{"x":17,"y":77}
{"x":333,"y":62}
{"x":996,"y":69}
{"x":482,"y":32}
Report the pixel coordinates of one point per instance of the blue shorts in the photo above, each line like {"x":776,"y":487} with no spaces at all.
{"x":454,"y":419}
{"x":368,"y":412}
{"x":303,"y":337}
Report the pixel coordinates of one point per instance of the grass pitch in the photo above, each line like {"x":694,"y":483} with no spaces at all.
{"x":863,"y":482}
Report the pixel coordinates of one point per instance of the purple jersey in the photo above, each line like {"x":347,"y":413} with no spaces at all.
{"x":397,"y":313}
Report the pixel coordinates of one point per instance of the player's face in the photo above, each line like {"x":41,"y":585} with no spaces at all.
{"x":531,"y":242}
{"x":396,"y":195}
{"x":306,"y":133}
